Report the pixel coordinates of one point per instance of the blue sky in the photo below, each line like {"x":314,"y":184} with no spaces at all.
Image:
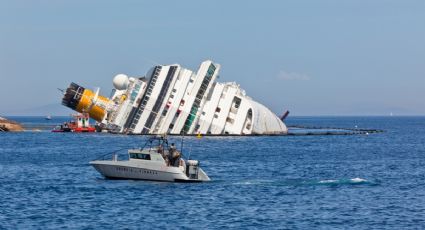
{"x":312,"y":57}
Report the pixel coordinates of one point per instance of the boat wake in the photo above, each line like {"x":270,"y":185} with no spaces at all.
{"x":254,"y":182}
{"x":356,"y":180}
{"x":330,"y":182}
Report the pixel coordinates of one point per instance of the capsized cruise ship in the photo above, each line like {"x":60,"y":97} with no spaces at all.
{"x":174,"y":100}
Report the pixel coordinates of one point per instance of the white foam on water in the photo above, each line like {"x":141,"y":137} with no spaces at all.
{"x":328,"y":181}
{"x":253,"y":182}
{"x":357,"y":180}
{"x":244,"y":183}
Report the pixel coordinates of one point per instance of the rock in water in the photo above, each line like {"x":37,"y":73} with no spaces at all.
{"x":12,"y":126}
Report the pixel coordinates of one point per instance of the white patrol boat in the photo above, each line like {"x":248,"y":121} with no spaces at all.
{"x":159,"y":162}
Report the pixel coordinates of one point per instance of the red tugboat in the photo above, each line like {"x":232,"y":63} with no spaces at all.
{"x":80,"y":124}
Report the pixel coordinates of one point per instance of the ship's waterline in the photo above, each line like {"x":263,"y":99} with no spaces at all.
{"x":174,"y":100}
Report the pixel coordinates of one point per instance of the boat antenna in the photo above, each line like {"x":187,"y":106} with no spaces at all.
{"x":149,"y":141}
{"x":190,"y":151}
{"x":181,"y":145}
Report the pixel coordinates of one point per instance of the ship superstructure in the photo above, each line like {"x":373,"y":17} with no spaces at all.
{"x":174,"y":100}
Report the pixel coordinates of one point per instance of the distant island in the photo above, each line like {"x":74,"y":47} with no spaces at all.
{"x":8,"y":125}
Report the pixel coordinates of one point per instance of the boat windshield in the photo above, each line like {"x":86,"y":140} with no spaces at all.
{"x":142,"y":156}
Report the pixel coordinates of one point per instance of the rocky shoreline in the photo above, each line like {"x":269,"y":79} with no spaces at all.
{"x":10,"y":126}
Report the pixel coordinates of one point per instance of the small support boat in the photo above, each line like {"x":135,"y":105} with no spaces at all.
{"x":80,"y":124}
{"x":159,"y":162}
{"x":64,"y":128}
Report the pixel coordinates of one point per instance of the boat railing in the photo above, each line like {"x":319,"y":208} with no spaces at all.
{"x":115,"y":155}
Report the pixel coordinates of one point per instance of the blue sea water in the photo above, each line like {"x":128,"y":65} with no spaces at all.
{"x":374,"y":181}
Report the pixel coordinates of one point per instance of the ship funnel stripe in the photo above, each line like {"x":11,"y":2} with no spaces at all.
{"x":81,"y":99}
{"x":72,"y":96}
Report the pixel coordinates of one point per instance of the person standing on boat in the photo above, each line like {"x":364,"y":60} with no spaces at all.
{"x":164,"y":154}
{"x":176,"y":158}
{"x":171,"y":153}
{"x":172,"y":148}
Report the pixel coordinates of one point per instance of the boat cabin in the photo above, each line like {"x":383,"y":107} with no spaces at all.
{"x":146,"y":155}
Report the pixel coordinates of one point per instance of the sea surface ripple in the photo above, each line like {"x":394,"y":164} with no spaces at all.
{"x":372,"y":181}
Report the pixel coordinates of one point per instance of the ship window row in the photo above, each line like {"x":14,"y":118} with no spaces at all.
{"x":237,"y":102}
{"x":149,"y":121}
{"x":211,"y":70}
{"x":198,"y":99}
{"x":145,"y":98}
{"x":201,"y":91}
{"x":137,"y":86}
{"x":160,"y":99}
{"x":167,"y":84}
{"x":194,"y":110}
{"x":150,"y":88}
{"x":164,"y":112}
{"x":134,"y":94}
{"x":230,"y":120}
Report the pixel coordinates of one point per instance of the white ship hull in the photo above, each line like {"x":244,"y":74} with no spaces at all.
{"x":174,"y":100}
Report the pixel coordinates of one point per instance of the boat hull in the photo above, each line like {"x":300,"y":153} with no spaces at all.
{"x":121,"y":170}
